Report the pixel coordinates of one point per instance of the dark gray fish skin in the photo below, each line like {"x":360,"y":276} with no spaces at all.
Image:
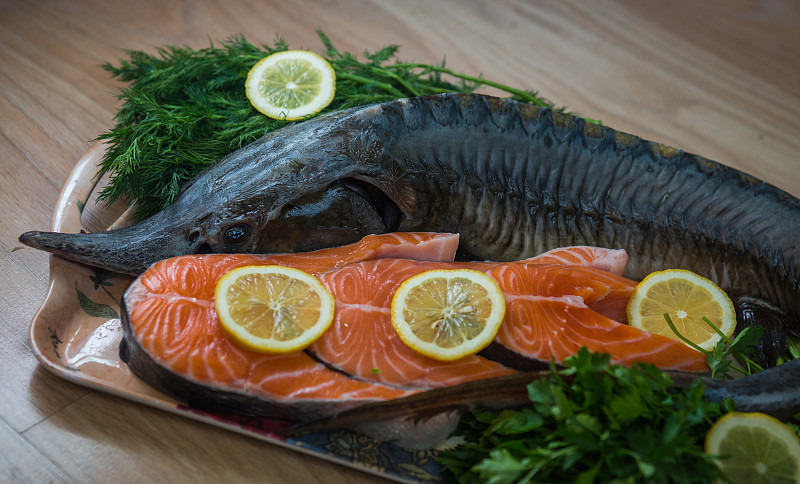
{"x":512,"y":179}
{"x":773,"y":320}
{"x":775,"y":392}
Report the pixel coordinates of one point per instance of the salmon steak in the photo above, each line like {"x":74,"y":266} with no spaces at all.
{"x":557,"y":303}
{"x":551,"y":312}
{"x":174,"y":342}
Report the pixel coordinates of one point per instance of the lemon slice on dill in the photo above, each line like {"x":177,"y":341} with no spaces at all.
{"x":291,"y":84}
{"x":273,"y":309}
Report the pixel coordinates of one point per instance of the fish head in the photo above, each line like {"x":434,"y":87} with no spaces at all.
{"x":296,"y":189}
{"x":293,"y":190}
{"x":330,"y":216}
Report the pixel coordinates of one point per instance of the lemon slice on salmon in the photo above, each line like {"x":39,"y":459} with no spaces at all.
{"x":273,"y":309}
{"x":448,"y":314}
{"x":291,"y":85}
{"x":687,"y":298}
{"x":754,"y":447}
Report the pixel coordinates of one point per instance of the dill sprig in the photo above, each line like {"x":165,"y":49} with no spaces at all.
{"x":184,"y":109}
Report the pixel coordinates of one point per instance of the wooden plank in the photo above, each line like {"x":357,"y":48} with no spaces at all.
{"x":101,"y":436}
{"x":21,"y":463}
{"x":758,"y":37}
{"x":30,"y":393}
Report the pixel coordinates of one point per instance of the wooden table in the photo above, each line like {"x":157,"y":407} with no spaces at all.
{"x":719,"y":78}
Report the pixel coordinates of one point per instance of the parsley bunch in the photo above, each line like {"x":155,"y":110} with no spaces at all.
{"x":591,"y":422}
{"x":185,"y":109}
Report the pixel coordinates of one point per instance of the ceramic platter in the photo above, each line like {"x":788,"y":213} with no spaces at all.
{"x":77,"y":331}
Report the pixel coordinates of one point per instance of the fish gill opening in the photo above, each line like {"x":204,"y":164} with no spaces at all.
{"x":388,"y":211}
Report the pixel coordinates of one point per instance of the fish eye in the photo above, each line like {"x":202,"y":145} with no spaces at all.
{"x":237,"y":234}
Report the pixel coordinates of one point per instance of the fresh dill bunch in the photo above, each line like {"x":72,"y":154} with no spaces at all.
{"x":185,"y":109}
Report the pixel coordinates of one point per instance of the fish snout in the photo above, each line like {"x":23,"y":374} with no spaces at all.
{"x":31,"y":238}
{"x":129,"y":250}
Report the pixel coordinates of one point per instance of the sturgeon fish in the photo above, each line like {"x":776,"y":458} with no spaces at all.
{"x":513,"y":179}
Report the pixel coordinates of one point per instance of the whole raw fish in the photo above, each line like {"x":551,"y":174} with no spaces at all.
{"x":513,"y":179}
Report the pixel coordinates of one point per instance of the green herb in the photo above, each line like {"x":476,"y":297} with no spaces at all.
{"x":792,"y":349}
{"x":742,"y":347}
{"x":591,"y":422}
{"x":185,"y":109}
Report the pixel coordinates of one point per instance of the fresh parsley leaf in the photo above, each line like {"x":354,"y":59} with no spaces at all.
{"x":716,"y":359}
{"x":516,"y":422}
{"x":747,"y":339}
{"x":502,"y":468}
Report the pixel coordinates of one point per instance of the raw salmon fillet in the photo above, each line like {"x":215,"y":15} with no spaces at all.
{"x":609,"y":260}
{"x":556,"y":303}
{"x":364,"y":294}
{"x":362,"y":342}
{"x":173,"y":335}
{"x":551,"y":312}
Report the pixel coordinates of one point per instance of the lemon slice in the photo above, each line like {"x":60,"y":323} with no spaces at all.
{"x":448,"y":314}
{"x":273,"y":309}
{"x":291,"y":85}
{"x":754,"y":447}
{"x":687,"y":298}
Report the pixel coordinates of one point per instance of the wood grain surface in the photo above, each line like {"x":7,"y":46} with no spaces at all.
{"x":720,"y":78}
